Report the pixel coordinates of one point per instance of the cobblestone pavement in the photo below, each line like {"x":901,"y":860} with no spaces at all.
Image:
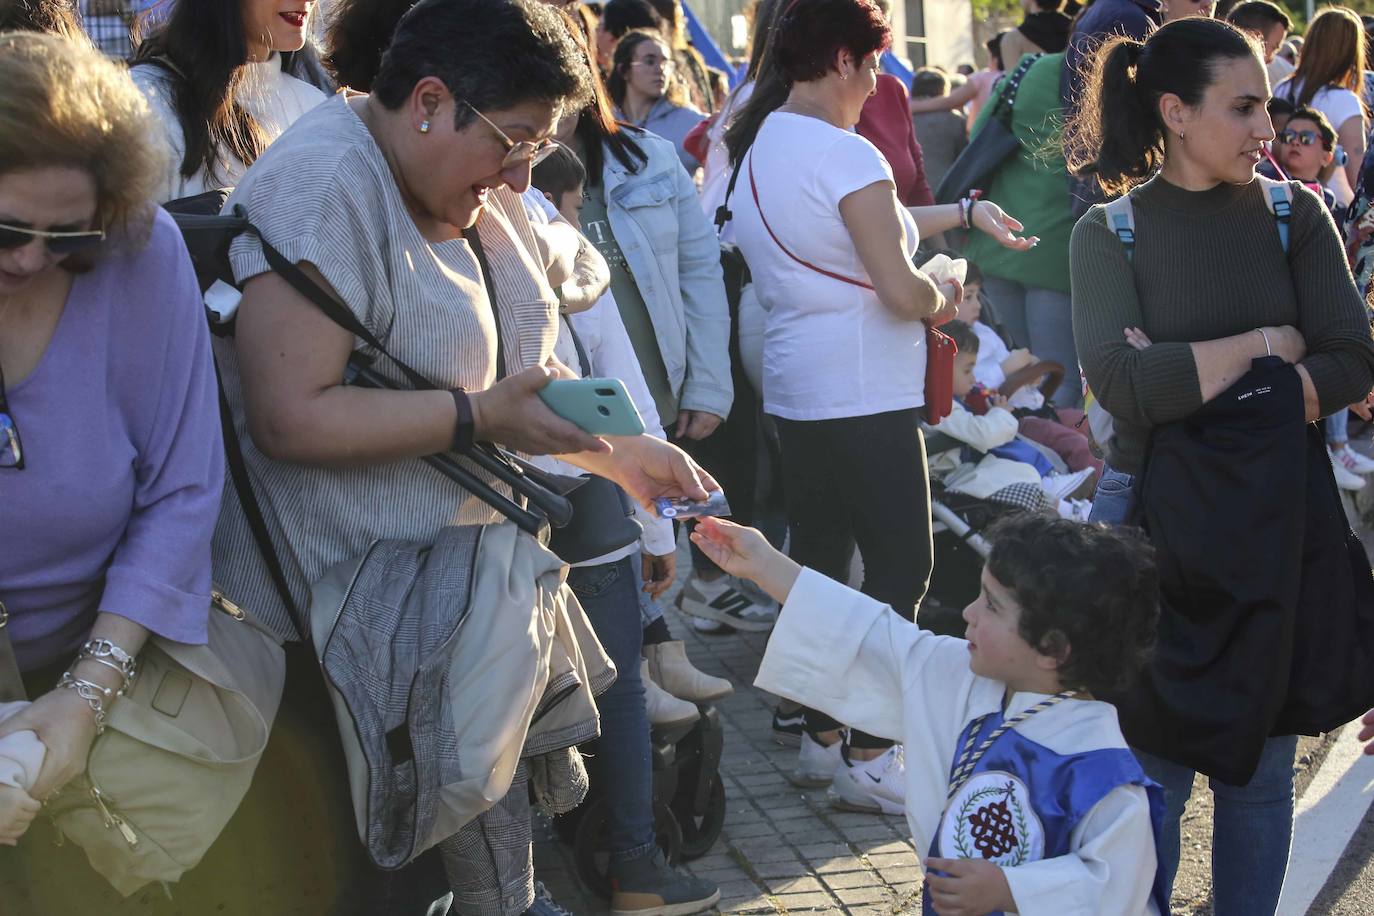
{"x":783,"y":849}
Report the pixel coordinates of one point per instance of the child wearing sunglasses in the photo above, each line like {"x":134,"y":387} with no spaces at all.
{"x":1305,"y":148}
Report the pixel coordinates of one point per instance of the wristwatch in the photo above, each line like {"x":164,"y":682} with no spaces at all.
{"x":465,"y":430}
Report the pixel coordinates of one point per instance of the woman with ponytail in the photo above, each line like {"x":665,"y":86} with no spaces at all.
{"x":816,"y":214}
{"x":1165,"y":329}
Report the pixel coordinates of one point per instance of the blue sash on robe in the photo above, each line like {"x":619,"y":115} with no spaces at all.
{"x":1023,"y":801}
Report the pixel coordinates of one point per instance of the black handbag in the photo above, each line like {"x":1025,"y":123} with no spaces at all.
{"x":989,"y":148}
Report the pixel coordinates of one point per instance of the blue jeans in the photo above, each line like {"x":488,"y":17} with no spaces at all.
{"x":1252,"y":828}
{"x":1337,"y":426}
{"x":1042,"y":320}
{"x":609,"y":595}
{"x":1114,"y":498}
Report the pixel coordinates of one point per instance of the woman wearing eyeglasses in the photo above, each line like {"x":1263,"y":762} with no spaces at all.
{"x":371,"y":196}
{"x":110,"y":453}
{"x":641,"y":86}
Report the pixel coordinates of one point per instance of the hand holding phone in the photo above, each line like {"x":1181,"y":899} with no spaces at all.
{"x":600,"y":406}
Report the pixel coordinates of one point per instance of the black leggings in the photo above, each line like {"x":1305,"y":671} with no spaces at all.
{"x":860,"y":480}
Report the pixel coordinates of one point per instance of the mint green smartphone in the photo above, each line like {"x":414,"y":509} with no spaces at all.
{"x":600,"y":406}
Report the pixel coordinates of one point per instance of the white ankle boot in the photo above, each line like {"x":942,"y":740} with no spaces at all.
{"x":672,"y":670}
{"x":664,"y":708}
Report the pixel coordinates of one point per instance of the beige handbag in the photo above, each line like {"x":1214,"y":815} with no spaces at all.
{"x":178,"y":753}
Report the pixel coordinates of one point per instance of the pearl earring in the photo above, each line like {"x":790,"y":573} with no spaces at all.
{"x":424,"y":126}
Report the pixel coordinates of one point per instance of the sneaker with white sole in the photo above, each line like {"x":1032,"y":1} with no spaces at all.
{"x":722,"y":601}
{"x":816,"y":763}
{"x":1345,"y":479}
{"x":876,"y":786}
{"x":1352,"y":460}
{"x":1064,"y":486}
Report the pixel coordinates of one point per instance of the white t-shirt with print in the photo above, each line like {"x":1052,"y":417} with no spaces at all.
{"x":831,"y":349}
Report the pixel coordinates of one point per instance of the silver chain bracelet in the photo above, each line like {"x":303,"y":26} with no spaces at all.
{"x":95,"y":696}
{"x":104,"y":652}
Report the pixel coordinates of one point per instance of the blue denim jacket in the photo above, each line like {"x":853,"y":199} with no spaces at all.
{"x":674,"y":256}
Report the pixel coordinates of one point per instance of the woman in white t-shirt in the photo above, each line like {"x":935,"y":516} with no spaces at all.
{"x":218,"y":77}
{"x":829,"y":247}
{"x":1329,"y":78}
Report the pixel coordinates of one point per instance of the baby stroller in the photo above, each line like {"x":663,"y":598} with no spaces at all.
{"x":960,"y":519}
{"x":689,"y":800}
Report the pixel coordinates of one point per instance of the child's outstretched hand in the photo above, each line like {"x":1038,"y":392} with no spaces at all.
{"x":17,"y":812}
{"x":746,"y":553}
{"x":968,"y":887}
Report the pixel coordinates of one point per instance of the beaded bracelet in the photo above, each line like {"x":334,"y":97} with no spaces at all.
{"x":95,"y":696}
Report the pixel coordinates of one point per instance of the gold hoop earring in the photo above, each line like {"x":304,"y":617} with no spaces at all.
{"x":424,"y":126}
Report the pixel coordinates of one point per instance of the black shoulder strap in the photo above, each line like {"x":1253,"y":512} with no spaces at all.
{"x":723,"y":214}
{"x":474,"y":241}
{"x":584,"y":361}
{"x":336,"y":311}
{"x":252,"y":511}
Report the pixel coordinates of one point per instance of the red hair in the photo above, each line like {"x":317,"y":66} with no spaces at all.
{"x":809,"y":34}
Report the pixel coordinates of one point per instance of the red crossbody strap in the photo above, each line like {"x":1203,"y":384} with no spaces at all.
{"x":820,"y":270}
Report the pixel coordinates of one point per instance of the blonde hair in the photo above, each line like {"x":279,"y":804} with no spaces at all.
{"x":1333,"y":54}
{"x":65,"y":104}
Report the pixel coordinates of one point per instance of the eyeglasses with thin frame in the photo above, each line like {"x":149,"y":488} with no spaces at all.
{"x":1300,"y":137}
{"x":59,"y":243}
{"x":11,"y":448}
{"x":519,"y":152}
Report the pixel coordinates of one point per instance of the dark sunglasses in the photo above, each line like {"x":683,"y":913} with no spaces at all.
{"x":1300,"y":137}
{"x":11,"y":448}
{"x":59,"y":243}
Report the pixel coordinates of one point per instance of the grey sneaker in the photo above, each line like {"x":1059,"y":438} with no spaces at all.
{"x":647,"y":886}
{"x":722,"y":601}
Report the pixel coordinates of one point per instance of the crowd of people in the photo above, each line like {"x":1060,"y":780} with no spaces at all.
{"x":441,"y":208}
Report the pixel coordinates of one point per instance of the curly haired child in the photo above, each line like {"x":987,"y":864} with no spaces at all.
{"x":1018,"y":782}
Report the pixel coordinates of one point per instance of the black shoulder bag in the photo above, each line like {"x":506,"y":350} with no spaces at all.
{"x":989,"y":148}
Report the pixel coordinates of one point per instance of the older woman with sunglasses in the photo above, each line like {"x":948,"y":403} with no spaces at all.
{"x":110,"y":454}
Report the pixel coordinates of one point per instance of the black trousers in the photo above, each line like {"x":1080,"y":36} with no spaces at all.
{"x":860,"y":481}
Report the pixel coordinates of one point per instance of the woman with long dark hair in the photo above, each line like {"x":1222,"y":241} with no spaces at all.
{"x":1225,"y":291}
{"x":218,"y":75}
{"x":642,"y":88}
{"x":816,"y":215}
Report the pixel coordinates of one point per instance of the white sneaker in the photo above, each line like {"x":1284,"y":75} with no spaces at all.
{"x":1076,"y":510}
{"x":816,"y":763}
{"x":1062,"y":486}
{"x":724,"y":602}
{"x":1345,"y":479}
{"x":1352,"y":460}
{"x":876,"y":786}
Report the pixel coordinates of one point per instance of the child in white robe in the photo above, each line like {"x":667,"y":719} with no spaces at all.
{"x":1054,"y":815}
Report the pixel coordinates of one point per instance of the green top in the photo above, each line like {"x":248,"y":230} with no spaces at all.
{"x":1032,"y":185}
{"x":1209,"y":264}
{"x":633,"y":312}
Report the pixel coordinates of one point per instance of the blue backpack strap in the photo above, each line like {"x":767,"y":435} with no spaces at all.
{"x":1278,"y":197}
{"x":1121,"y":220}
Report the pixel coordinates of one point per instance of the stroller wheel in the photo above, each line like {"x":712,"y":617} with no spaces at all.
{"x":593,"y":835}
{"x":700,"y":831}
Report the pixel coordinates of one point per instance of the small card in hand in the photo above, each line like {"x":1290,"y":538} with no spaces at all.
{"x":691,"y":508}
